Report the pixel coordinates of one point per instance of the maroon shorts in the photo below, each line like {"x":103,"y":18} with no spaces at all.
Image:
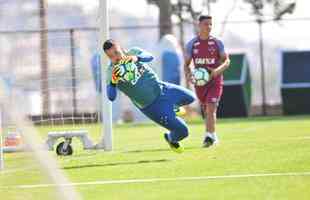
{"x":211,"y":93}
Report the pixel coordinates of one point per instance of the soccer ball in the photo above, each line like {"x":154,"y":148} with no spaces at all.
{"x":200,"y":76}
{"x":128,"y":71}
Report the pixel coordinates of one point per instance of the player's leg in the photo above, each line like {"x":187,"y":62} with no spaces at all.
{"x":210,"y":109}
{"x":161,"y":111}
{"x":178,"y":131}
{"x":180,"y":97}
{"x":210,"y":123}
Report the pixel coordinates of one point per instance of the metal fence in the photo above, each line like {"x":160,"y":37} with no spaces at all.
{"x":71,"y":49}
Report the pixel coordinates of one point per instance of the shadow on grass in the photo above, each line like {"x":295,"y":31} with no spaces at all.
{"x":146,"y":150}
{"x":117,"y":164}
{"x":158,"y":150}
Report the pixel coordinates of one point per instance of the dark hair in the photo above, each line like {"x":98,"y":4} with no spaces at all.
{"x":108,"y":44}
{"x":203,"y":17}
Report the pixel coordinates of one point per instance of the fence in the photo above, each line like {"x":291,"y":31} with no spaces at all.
{"x":70,"y":51}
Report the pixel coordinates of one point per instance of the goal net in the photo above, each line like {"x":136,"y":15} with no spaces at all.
{"x":35,"y":171}
{"x":54,"y":65}
{"x":50,"y":64}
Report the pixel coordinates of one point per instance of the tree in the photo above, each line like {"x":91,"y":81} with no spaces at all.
{"x":165,"y":13}
{"x":183,"y":9}
{"x":280,"y":7}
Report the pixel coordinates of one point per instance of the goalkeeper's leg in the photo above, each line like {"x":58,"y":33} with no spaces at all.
{"x":179,"y":95}
{"x":162,"y":112}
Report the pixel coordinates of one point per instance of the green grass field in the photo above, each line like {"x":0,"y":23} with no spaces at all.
{"x":258,"y":158}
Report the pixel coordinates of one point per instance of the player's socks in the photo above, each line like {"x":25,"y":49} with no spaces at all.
{"x":214,"y":137}
{"x":175,"y":146}
{"x":179,"y":111}
{"x":210,"y":139}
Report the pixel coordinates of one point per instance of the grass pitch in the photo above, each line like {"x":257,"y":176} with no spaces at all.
{"x":258,"y":158}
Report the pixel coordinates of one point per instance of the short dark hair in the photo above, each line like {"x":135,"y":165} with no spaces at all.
{"x":108,"y":44}
{"x":203,"y":17}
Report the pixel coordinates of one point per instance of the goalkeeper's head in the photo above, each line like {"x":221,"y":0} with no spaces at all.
{"x":113,"y":50}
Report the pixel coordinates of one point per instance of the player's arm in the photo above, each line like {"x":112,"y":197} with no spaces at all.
{"x":138,"y":55}
{"x":224,"y":59}
{"x":111,"y":91}
{"x":220,"y":69}
{"x":144,"y":56}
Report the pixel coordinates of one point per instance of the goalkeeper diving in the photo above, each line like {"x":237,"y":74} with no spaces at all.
{"x":159,"y":101}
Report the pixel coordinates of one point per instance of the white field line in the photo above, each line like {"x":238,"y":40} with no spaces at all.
{"x":156,"y":180}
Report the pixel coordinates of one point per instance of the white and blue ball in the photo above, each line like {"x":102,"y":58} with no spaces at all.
{"x":128,"y":71}
{"x":200,"y":76}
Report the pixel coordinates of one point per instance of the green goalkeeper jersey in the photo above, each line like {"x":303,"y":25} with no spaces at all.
{"x":145,"y":87}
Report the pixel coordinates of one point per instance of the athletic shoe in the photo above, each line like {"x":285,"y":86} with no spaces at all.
{"x":175,"y":146}
{"x":209,"y":141}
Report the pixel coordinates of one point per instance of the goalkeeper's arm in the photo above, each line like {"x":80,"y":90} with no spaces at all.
{"x":111,"y":91}
{"x":142,"y":55}
{"x":145,"y":56}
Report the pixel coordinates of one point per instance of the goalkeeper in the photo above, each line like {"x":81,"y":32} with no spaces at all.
{"x":159,"y":101}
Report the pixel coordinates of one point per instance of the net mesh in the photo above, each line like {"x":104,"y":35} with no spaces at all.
{"x":47,"y":85}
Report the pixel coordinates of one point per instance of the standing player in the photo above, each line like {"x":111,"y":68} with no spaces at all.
{"x":156,"y":99}
{"x":207,"y":52}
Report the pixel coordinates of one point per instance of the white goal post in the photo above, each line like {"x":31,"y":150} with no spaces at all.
{"x":106,"y":110}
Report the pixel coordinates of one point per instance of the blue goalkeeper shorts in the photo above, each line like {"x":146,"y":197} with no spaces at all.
{"x":162,"y":109}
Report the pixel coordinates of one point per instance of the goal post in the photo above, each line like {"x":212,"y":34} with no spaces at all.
{"x":106,"y":108}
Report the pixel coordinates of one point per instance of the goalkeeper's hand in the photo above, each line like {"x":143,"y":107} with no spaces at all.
{"x":128,"y":59}
{"x":116,"y":74}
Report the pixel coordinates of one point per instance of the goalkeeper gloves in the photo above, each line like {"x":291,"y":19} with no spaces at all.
{"x":128,"y":59}
{"x":116,"y":74}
